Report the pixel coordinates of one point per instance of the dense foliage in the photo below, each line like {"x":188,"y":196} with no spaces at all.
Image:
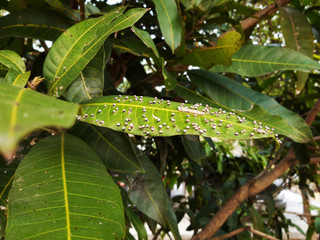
{"x":105,"y":108}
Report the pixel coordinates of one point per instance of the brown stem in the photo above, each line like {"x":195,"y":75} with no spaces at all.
{"x":44,"y":45}
{"x":240,"y":230}
{"x":252,"y":187}
{"x":82,"y":10}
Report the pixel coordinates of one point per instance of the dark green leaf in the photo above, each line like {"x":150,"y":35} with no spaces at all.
{"x":301,"y":152}
{"x":194,"y":148}
{"x":24,"y":110}
{"x":114,"y":148}
{"x":221,"y":54}
{"x":170,"y":22}
{"x":62,"y":190}
{"x":298,"y":35}
{"x":254,"y":60}
{"x":253,"y":105}
{"x":136,"y":222}
{"x":43,"y":24}
{"x":155,"y":117}
{"x":317,"y":224}
{"x":146,"y":39}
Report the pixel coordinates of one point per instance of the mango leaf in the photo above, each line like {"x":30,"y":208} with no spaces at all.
{"x":253,"y":105}
{"x":146,"y":39}
{"x":150,"y":197}
{"x":194,"y":148}
{"x":170,"y":22}
{"x":43,"y":24}
{"x":114,"y":148}
{"x":61,"y":7}
{"x":298,"y":35}
{"x":21,"y":80}
{"x":89,"y":84}
{"x":147,"y":116}
{"x":62,"y":190}
{"x":220,"y":54}
{"x":7,"y":173}
{"x":74,"y":49}
{"x":24,"y":110}
{"x":255,"y":60}
{"x":12,"y":60}
{"x":136,"y":222}
{"x":133,"y":46}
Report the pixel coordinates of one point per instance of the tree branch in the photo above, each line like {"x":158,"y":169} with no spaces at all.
{"x":252,"y":187}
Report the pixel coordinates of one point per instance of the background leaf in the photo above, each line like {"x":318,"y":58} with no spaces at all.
{"x":255,"y":60}
{"x":73,"y":50}
{"x":298,"y":35}
{"x":194,"y":148}
{"x":62,"y":190}
{"x":220,"y":54}
{"x":89,"y":84}
{"x":150,"y":197}
{"x":170,"y":22}
{"x":146,"y":39}
{"x":155,"y":117}
{"x":24,"y":110}
{"x":42,"y":24}
{"x":262,"y":108}
{"x":114,"y":148}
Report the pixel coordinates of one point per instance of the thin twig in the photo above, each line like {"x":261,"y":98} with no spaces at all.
{"x":44,"y":45}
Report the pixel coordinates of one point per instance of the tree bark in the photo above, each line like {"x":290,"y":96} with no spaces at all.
{"x":253,"y":187}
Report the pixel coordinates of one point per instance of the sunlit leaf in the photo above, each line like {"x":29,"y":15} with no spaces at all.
{"x":24,"y":110}
{"x":62,"y":190}
{"x":156,"y":117}
{"x":255,"y":60}
{"x":74,"y":49}
{"x":252,"y":105}
{"x":221,"y":54}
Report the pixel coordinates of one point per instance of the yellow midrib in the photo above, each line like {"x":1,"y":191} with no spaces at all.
{"x":65,"y":189}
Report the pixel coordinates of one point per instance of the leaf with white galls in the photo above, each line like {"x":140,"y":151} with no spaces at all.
{"x":146,"y":116}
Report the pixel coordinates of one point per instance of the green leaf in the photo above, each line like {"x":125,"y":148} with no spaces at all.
{"x":90,"y":83}
{"x":169,"y":80}
{"x":194,"y":148}
{"x":74,"y":49}
{"x":133,"y":46}
{"x":62,"y":190}
{"x":170,"y":22}
{"x":317,"y":224}
{"x":146,"y":39}
{"x":21,"y":80}
{"x":7,"y":173}
{"x":24,"y":110}
{"x":43,"y":24}
{"x":220,"y":54}
{"x":12,"y":60}
{"x":136,"y":222}
{"x":298,"y":36}
{"x":61,"y":7}
{"x":150,"y":197}
{"x":147,"y":116}
{"x":114,"y":148}
{"x":255,"y":60}
{"x":252,"y":105}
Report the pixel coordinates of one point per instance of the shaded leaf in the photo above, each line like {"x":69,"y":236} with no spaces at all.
{"x":24,"y":110}
{"x":150,"y":197}
{"x":62,"y":190}
{"x":298,"y":36}
{"x":146,"y":39}
{"x":169,"y":80}
{"x":156,"y":117}
{"x":114,"y":148}
{"x":252,"y":105}
{"x":43,"y":24}
{"x":136,"y":222}
{"x":220,"y":54}
{"x":255,"y":60}
{"x":193,"y":148}
{"x":133,"y":46}
{"x":89,"y":84}
{"x":72,"y":51}
{"x":60,"y":6}
{"x":170,"y":22}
